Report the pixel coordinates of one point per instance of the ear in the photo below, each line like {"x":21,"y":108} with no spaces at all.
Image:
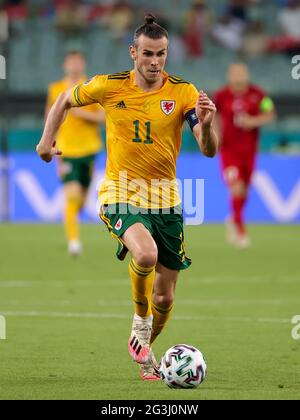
{"x":133,"y":53}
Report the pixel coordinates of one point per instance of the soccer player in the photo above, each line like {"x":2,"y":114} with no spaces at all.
{"x":145,"y":110}
{"x":79,"y":141}
{"x":242,"y":110}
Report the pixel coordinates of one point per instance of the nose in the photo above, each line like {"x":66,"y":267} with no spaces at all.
{"x":154,"y":61}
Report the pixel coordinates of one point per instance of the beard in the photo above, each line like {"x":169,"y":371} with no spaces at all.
{"x":148,"y":77}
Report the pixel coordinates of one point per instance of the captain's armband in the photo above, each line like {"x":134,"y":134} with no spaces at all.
{"x":191,"y":118}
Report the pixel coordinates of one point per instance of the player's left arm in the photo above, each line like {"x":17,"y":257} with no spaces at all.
{"x":204,"y":131}
{"x":266,"y":115}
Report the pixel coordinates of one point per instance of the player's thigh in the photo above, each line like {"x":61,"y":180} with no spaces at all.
{"x":73,"y":190}
{"x":68,"y":170}
{"x":133,"y":231}
{"x":234,"y":175}
{"x":164,"y":285}
{"x":86,"y":170}
{"x":141,"y":245}
{"x":240,"y":187}
{"x":231,"y":171}
{"x":169,"y":237}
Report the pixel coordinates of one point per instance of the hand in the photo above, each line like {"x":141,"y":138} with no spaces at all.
{"x":245,"y":121}
{"x":46,"y":154}
{"x":205,"y":109}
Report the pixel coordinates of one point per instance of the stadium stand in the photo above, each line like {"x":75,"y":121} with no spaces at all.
{"x":39,"y":38}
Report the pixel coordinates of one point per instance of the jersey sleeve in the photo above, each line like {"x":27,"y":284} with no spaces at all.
{"x":191,"y":95}
{"x":91,"y":92}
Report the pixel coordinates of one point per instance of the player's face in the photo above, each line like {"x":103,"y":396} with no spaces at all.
{"x":74,"y":66}
{"x":238,"y":77}
{"x":150,"y":57}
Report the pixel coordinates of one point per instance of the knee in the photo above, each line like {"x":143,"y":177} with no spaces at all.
{"x":163,"y":300}
{"x":146,"y":257}
{"x":239,"y":190}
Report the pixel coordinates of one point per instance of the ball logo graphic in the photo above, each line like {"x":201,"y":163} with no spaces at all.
{"x":183,"y":366}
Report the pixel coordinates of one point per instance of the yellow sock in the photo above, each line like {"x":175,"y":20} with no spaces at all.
{"x":72,"y":209}
{"x":142,"y":280}
{"x":160,"y":318}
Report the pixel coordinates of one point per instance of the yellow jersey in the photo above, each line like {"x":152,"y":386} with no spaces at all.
{"x":76,"y":137}
{"x":144,"y":133}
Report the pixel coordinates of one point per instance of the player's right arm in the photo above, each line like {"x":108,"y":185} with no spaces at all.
{"x":50,"y":101}
{"x":46,"y":148}
{"x":88,"y":93}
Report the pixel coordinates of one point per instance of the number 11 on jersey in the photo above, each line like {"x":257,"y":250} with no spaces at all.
{"x":137,"y":138}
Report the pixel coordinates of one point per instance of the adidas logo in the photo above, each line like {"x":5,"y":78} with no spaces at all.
{"x":121,"y":105}
{"x":136,"y":346}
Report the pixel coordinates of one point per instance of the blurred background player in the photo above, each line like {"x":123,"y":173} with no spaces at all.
{"x":243,"y":109}
{"x":79,"y":141}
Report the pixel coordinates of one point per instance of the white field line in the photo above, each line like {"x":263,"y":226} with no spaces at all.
{"x":128,"y":303}
{"x":260,"y":279}
{"x":91,"y":315}
{"x":16,"y":283}
{"x":102,"y":281}
{"x":67,"y":283}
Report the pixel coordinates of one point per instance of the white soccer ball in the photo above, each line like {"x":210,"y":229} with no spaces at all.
{"x":183,"y":366}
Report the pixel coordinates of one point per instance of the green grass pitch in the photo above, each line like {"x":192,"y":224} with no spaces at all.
{"x":68,"y":321}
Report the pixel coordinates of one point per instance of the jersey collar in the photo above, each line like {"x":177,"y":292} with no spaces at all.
{"x":132,"y":82}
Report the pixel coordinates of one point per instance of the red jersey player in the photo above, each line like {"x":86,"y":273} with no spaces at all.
{"x":242,"y":109}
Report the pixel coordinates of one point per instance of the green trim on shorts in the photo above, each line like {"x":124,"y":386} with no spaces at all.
{"x":166,"y":230}
{"x":78,"y":170}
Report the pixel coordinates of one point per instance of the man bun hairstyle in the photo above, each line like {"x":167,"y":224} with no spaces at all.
{"x":150,"y":19}
{"x":150,"y":29}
